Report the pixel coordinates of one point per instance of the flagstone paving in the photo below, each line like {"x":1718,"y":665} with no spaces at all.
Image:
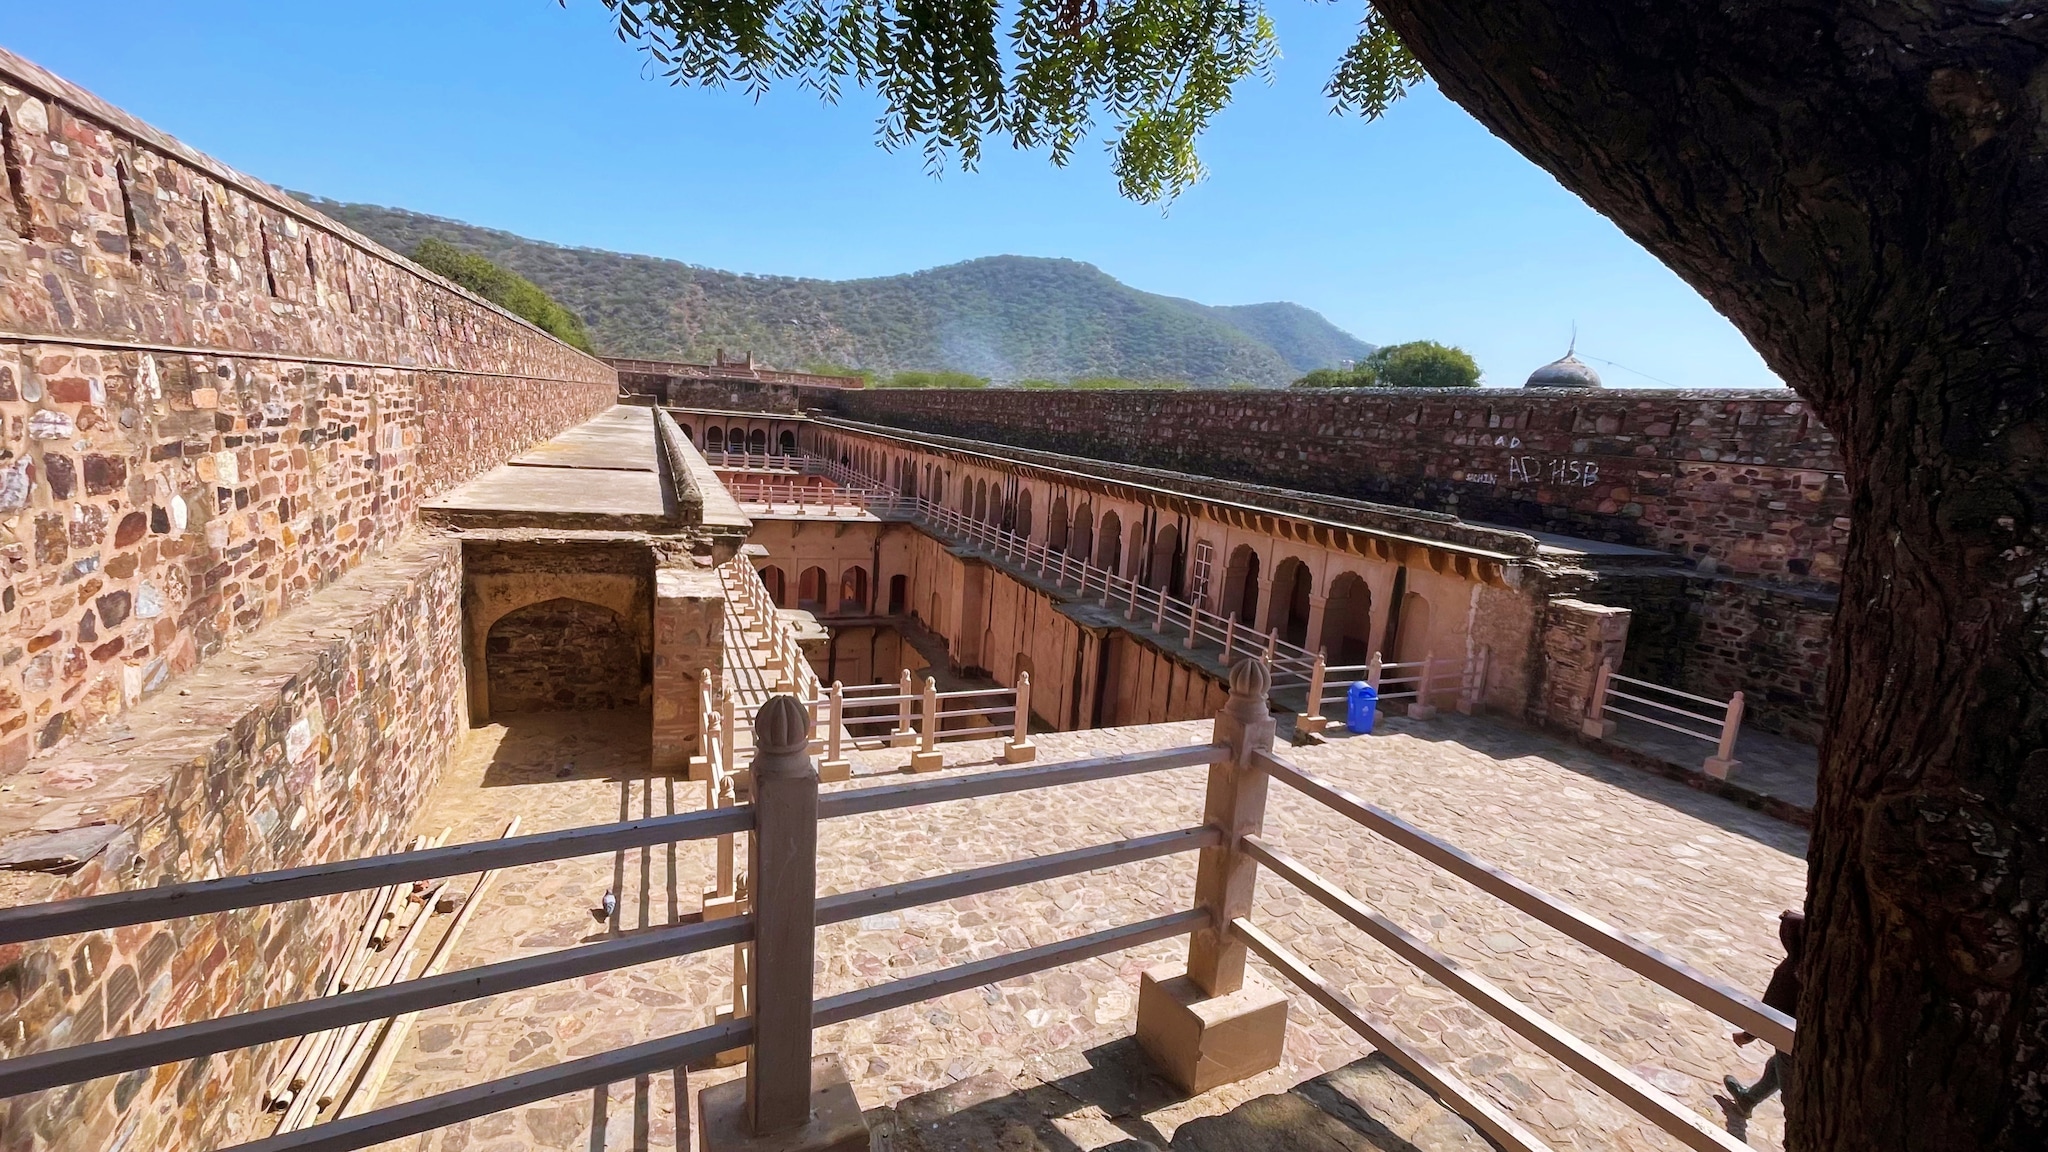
{"x":1693,"y":874}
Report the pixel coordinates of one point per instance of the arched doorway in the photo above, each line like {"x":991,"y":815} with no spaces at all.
{"x":853,"y":591}
{"x":1056,"y":524}
{"x":1023,"y":528}
{"x":561,"y":655}
{"x":1287,"y":615}
{"x":1109,"y":546}
{"x":1165,"y":543}
{"x":899,"y":594}
{"x":1347,"y":621}
{"x":787,"y":442}
{"x":810,"y":589}
{"x":980,"y":500}
{"x":778,"y":589}
{"x":1241,"y":585}
{"x":1082,"y":534}
{"x":757,"y":442}
{"x":714,"y":439}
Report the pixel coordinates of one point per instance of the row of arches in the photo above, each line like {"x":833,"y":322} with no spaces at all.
{"x":1346,"y":635}
{"x":1342,"y":619}
{"x":721,"y":438}
{"x":816,"y":591}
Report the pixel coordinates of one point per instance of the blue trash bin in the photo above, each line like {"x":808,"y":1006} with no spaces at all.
{"x":1361,"y":704}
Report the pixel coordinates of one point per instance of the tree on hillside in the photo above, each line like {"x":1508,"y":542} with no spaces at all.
{"x":510,"y":291}
{"x":1860,"y":189}
{"x":1416,"y":364}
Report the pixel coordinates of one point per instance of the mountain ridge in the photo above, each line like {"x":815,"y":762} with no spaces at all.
{"x":1005,"y":317}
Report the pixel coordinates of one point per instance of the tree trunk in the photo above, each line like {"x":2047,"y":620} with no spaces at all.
{"x":1863,"y":190}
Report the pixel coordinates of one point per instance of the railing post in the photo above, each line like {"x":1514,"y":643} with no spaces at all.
{"x":1159,"y":615}
{"x":904,"y":734}
{"x":1211,"y":1022}
{"x":1420,"y":708}
{"x":836,"y":767}
{"x":1272,"y":641}
{"x":1194,"y":625}
{"x":1372,"y":671}
{"x":803,"y":1104}
{"x":928,"y":758}
{"x":1312,"y":718}
{"x":1597,"y":726}
{"x":1722,"y":764}
{"x":1020,"y":748}
{"x":707,"y":727}
{"x":1229,"y":638}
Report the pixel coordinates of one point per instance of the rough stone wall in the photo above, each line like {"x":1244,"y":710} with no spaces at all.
{"x":1769,"y":643}
{"x":313,"y":741}
{"x":1748,"y":480}
{"x":214,"y":402}
{"x":1577,"y":637}
{"x":689,"y":625}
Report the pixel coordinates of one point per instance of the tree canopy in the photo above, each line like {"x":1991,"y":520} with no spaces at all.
{"x":510,"y":291}
{"x":954,"y":74}
{"x":1416,"y":364}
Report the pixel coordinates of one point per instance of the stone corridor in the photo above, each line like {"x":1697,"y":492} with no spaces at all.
{"x":1690,"y":873}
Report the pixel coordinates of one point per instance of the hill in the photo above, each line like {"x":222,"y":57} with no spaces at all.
{"x":1005,"y":317}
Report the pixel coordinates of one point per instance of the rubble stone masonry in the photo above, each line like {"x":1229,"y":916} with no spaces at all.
{"x":225,"y":645}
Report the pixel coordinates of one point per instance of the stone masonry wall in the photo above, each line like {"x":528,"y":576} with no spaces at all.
{"x":213,"y":402}
{"x":1748,"y":480}
{"x":223,"y":645}
{"x":1577,"y":636}
{"x":314,"y":740}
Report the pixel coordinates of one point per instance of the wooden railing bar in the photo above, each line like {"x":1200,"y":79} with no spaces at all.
{"x":859,"y":801}
{"x":1737,"y":1008}
{"x":1710,"y":737}
{"x":42,"y":1070}
{"x":1466,"y":1102}
{"x":912,"y":989}
{"x":170,"y":901}
{"x":1614,"y":694}
{"x":964,"y":733}
{"x":1632,"y":1090}
{"x":959,"y":712}
{"x":1716,"y":704}
{"x":974,"y":881}
{"x":467,"y":1103}
{"x":1462,"y":1098}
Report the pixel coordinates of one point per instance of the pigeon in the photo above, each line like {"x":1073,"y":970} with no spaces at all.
{"x":606,"y":910}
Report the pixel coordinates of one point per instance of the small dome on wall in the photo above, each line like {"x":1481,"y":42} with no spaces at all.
{"x":1568,"y":372}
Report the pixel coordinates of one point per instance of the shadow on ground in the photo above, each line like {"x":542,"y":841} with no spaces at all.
{"x":1368,"y":1105}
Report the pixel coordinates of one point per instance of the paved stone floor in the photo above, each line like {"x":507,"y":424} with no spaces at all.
{"x":1695,"y":874}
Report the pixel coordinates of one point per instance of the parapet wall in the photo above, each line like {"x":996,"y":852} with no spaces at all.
{"x":215,"y":402}
{"x":1749,"y":480}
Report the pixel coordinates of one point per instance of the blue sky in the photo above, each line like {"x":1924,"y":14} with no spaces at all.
{"x":531,"y":117}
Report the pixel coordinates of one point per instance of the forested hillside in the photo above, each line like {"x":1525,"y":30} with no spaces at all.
{"x":1009,"y":318}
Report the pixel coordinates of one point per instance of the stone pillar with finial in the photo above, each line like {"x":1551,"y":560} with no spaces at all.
{"x":1210,"y":1021}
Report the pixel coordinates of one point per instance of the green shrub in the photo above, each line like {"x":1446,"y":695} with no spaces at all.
{"x":1416,"y":364}
{"x":514,"y":293}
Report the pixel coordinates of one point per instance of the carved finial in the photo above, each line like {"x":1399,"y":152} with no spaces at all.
{"x":1250,"y":679}
{"x":782,"y":726}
